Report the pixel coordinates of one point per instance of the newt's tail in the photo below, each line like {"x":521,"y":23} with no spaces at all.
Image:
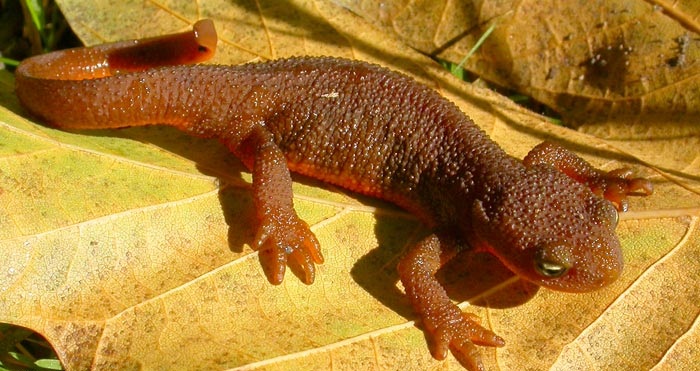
{"x":64,"y":88}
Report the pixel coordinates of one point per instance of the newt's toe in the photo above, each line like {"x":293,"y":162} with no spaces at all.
{"x":616,"y":185}
{"x":287,"y":241}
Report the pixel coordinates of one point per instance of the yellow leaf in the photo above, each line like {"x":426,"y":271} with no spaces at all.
{"x":130,"y":248}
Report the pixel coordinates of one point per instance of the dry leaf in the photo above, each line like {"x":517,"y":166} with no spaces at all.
{"x":625,"y":71}
{"x":130,"y":248}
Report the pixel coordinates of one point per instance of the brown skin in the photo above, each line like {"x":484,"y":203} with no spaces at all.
{"x":367,"y":129}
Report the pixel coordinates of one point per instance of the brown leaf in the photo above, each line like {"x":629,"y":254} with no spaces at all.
{"x":625,"y":71}
{"x":130,"y":248}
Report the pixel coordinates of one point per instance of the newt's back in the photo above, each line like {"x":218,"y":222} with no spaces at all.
{"x":371,"y":130}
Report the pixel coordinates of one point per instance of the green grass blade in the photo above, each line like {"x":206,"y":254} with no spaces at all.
{"x":477,"y":45}
{"x":36,"y":11}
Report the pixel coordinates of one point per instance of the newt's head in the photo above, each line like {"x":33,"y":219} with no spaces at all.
{"x":552,"y":230}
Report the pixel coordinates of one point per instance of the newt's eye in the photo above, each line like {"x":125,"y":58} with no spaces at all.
{"x":553,"y":260}
{"x":549,"y":269}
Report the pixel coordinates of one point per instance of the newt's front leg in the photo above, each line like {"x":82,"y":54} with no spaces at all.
{"x":447,"y":326}
{"x":281,"y":234}
{"x":614,"y":185}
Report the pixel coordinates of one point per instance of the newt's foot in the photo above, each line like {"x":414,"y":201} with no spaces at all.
{"x":617,"y":184}
{"x":279,"y":240}
{"x":460,"y":335}
{"x":614,"y":185}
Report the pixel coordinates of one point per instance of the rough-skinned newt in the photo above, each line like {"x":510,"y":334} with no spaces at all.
{"x":549,"y":218}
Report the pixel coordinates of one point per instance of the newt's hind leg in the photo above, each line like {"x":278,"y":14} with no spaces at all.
{"x":282,"y":236}
{"x":614,"y":185}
